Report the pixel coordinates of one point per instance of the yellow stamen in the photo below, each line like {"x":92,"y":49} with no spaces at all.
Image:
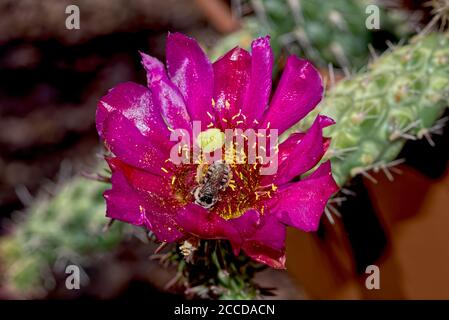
{"x":237,"y":114}
{"x":210,"y":116}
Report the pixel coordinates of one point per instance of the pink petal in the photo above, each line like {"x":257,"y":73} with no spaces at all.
{"x":130,"y":145}
{"x":302,"y":203}
{"x":126,"y":204}
{"x":326,"y":121}
{"x":267,"y":244}
{"x":232,"y":73}
{"x":259,"y":89}
{"x":135,"y":103}
{"x":300,"y":153}
{"x":204,"y":224}
{"x":191,"y":71}
{"x":246,"y":225}
{"x":166,"y":95}
{"x":153,"y":185}
{"x":299,"y":91}
{"x":122,"y":203}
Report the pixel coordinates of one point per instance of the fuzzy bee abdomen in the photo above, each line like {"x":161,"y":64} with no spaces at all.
{"x":215,"y":181}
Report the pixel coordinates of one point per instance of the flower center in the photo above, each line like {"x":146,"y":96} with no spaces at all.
{"x":230,"y":185}
{"x":191,"y":183}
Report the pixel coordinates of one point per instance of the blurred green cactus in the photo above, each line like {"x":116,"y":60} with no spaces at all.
{"x":67,"y":226}
{"x":400,"y":97}
{"x":321,"y":30}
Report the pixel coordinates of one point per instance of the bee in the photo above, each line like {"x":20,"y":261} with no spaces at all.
{"x":215,"y":180}
{"x":188,"y":249}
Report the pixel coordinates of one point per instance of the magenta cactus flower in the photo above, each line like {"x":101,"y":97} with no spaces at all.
{"x":223,"y":199}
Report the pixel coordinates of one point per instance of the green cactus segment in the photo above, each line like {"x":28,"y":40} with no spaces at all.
{"x":321,"y":30}
{"x":68,"y":226}
{"x":400,"y":97}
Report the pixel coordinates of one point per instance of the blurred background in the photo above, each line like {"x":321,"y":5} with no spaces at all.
{"x":51,"y":215}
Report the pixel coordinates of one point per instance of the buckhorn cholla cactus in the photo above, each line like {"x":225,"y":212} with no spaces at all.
{"x":400,"y":97}
{"x":67,"y":228}
{"x":321,"y":30}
